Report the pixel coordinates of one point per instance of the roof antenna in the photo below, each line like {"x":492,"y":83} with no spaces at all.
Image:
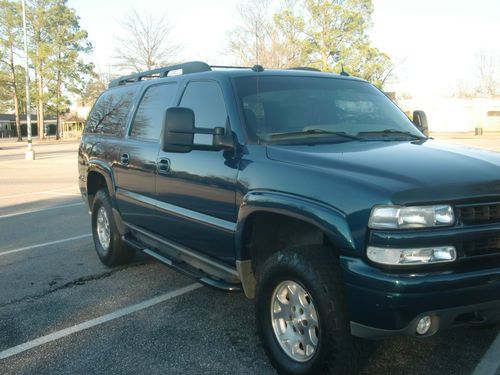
{"x":258,"y":68}
{"x":343,"y":72}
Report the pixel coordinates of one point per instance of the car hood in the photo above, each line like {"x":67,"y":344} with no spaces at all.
{"x":410,"y":172}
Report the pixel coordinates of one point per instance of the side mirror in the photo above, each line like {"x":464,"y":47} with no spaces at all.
{"x":178,"y":132}
{"x":420,"y":121}
{"x":222,"y":137}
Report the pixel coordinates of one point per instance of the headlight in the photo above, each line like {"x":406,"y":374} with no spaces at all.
{"x":411,"y":257}
{"x":398,"y":217}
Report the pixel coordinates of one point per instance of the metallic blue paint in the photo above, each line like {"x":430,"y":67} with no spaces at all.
{"x":391,"y":300}
{"x":333,"y":186}
{"x":327,"y":218}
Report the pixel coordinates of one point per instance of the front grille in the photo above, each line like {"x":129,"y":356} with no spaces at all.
{"x":480,"y":214}
{"x":484,"y":246}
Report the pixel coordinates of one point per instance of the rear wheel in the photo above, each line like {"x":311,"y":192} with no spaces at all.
{"x":107,"y":240}
{"x":301,"y":314}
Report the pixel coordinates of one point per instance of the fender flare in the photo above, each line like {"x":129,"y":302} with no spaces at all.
{"x":327,"y":218}
{"x":105,"y":170}
{"x":96,"y":165}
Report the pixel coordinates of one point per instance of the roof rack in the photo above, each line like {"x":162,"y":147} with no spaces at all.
{"x":255,"y":68}
{"x":230,"y":67}
{"x":309,"y":69}
{"x":185,"y":68}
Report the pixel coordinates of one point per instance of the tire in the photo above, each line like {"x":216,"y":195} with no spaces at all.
{"x":107,"y":240}
{"x":304,"y":283}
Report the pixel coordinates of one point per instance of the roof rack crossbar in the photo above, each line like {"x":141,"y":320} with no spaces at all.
{"x":185,"y":68}
{"x":230,"y":67}
{"x":307,"y":68}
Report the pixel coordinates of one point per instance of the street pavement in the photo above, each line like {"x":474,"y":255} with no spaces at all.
{"x":63,"y":312}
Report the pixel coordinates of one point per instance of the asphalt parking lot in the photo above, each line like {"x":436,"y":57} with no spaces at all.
{"x":62,"y":312}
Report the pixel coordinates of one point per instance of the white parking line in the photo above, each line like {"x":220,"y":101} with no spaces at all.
{"x":57,"y":193}
{"x":97,"y":321}
{"x":41,"y":209}
{"x":34,"y":193}
{"x":44,"y":244}
{"x":490,"y":363}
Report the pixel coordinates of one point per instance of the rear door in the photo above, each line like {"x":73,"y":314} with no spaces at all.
{"x":198,"y":191}
{"x":136,"y":167}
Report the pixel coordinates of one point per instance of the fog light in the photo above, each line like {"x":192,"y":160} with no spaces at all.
{"x":424,"y":324}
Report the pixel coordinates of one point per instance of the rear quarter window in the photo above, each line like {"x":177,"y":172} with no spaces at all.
{"x":110,"y":112}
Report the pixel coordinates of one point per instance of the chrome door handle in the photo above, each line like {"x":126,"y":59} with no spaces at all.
{"x":163,"y":166}
{"x":124,"y":159}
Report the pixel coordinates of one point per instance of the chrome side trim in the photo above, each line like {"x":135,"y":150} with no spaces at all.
{"x":187,"y":253}
{"x":181,"y":212}
{"x":157,"y":256}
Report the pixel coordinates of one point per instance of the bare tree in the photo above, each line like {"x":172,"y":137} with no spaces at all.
{"x":488,"y":64}
{"x":247,"y":41}
{"x":257,"y":39}
{"x":146,"y":44}
{"x":463,"y":90}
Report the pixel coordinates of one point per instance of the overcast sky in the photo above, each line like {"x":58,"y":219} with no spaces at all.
{"x":432,"y":42}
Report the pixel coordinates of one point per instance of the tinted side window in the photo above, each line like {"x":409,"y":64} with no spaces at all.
{"x":110,"y":111}
{"x":151,"y":112}
{"x":207,"y":102}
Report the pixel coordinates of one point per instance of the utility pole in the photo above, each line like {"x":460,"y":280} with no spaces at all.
{"x":30,"y":153}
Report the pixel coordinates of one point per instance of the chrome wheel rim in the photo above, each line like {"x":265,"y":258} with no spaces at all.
{"x":295,"y":321}
{"x":103,"y":230}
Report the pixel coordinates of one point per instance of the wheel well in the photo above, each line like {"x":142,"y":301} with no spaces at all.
{"x":265,"y":233}
{"x":95,"y":182}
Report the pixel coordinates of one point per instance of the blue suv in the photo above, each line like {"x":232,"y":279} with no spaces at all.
{"x":312,"y":192}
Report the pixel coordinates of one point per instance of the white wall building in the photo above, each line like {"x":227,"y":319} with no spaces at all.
{"x":457,"y":115}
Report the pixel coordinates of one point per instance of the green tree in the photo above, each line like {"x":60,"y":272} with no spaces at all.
{"x":68,"y":69}
{"x":5,"y":91}
{"x":10,"y":42}
{"x":333,"y":34}
{"x":57,"y":43}
{"x":39,"y":17}
{"x":325,"y":34}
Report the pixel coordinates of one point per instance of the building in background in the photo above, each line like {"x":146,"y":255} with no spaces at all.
{"x":8,"y":126}
{"x":457,"y":115}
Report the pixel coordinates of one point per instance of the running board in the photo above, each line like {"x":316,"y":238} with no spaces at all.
{"x":185,"y":268}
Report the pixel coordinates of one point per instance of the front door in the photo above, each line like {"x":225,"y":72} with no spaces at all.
{"x":136,"y":167}
{"x":198,"y":191}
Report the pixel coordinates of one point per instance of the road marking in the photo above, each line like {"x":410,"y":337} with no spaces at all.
{"x":56,"y":193}
{"x":44,"y":244}
{"x":97,"y":321}
{"x":34,"y":193}
{"x":41,"y":209}
{"x":490,"y":363}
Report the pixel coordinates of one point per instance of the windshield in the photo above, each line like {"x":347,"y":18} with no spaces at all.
{"x":281,"y":109}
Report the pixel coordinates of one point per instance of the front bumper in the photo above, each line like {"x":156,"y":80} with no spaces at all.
{"x":384,"y":303}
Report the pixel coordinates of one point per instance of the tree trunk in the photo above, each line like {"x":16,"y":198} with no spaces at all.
{"x":18,"y":120}
{"x":40,"y":120}
{"x":58,"y":98}
{"x":14,"y":93}
{"x":37,"y":109}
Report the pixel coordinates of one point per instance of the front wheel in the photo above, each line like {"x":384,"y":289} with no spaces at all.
{"x":107,"y":240}
{"x":301,"y":315}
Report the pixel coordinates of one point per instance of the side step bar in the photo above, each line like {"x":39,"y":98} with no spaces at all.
{"x":185,"y":268}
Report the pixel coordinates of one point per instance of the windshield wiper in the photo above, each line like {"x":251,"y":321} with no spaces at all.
{"x":286,"y":135}
{"x":389,"y":132}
